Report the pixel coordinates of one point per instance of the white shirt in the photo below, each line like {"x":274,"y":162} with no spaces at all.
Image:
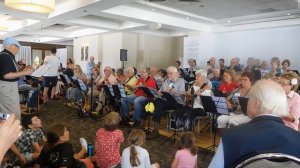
{"x":142,"y":155}
{"x":53,"y":63}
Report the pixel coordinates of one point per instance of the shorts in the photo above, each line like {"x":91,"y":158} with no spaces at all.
{"x":50,"y":81}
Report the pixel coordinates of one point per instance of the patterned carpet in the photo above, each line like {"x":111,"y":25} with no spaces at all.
{"x":56,"y":112}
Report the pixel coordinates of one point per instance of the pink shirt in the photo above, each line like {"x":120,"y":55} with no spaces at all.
{"x":107,"y":147}
{"x":294,"y":109}
{"x":185,"y":158}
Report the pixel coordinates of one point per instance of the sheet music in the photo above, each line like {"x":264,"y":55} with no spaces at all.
{"x":111,"y":90}
{"x":221,"y":105}
{"x":40,"y":71}
{"x":67,"y":79}
{"x":122,"y":91}
{"x":82,"y":85}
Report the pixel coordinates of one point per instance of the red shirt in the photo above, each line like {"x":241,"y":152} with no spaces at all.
{"x":107,"y":147}
{"x":227,"y":88}
{"x":150,"y":82}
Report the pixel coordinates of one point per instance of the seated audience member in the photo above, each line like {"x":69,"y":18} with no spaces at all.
{"x":108,"y":141}
{"x":289,"y":83}
{"x":264,"y":68}
{"x":257,"y":64}
{"x":177,"y":64}
{"x":108,"y":78}
{"x":186,"y":156}
{"x":70,"y":64}
{"x":135,"y":155}
{"x":228,"y":84}
{"x":275,"y":69}
{"x":236,"y":117}
{"x":269,"y":76}
{"x":28,"y":147}
{"x":138,"y":98}
{"x":10,"y":131}
{"x":216,"y":78}
{"x":286,"y":65}
{"x":235,"y":64}
{"x":174,"y":86}
{"x":250,"y":65}
{"x":200,"y":88}
{"x":22,"y":84}
{"x":130,"y":81}
{"x":120,"y":75}
{"x":74,"y":93}
{"x":193,"y":67}
{"x":158,"y":79}
{"x":266,"y":133}
{"x":33,"y":100}
{"x":222,"y":66}
{"x":96,"y":92}
{"x":58,"y":152}
{"x":210,"y":67}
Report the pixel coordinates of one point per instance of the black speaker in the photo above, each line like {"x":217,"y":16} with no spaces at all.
{"x":123,"y":55}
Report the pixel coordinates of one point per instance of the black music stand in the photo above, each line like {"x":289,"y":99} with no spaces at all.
{"x":209,"y":106}
{"x":170,"y":99}
{"x":108,"y":90}
{"x":243,"y":101}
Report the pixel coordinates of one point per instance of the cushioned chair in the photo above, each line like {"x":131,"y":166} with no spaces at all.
{"x":271,"y":160}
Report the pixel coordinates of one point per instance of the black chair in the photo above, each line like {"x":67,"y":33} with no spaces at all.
{"x":271,"y":160}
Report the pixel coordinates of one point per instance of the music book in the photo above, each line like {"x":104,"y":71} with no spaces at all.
{"x":221,"y":105}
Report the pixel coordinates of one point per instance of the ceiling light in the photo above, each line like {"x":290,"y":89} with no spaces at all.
{"x":228,"y":21}
{"x":38,"y":6}
{"x":288,"y":14}
{"x":153,"y":10}
{"x":187,"y":18}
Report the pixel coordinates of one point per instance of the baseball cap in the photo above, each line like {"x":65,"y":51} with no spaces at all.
{"x":11,"y":41}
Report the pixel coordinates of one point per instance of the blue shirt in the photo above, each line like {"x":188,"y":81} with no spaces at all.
{"x":89,"y":68}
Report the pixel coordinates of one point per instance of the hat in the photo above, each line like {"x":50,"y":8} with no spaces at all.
{"x":11,"y":41}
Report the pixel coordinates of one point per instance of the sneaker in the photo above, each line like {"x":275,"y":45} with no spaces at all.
{"x":83,"y":143}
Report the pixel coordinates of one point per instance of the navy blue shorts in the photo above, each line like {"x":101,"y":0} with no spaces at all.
{"x":50,"y":81}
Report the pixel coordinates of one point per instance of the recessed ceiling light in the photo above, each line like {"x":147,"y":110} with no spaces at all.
{"x":228,"y":21}
{"x":153,"y":10}
{"x":187,"y":18}
{"x":288,"y":14}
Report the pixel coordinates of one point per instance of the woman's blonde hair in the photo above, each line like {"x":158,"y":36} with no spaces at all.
{"x":136,"y":138}
{"x":293,"y":78}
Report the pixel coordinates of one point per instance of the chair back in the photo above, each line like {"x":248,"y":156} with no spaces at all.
{"x":271,"y":160}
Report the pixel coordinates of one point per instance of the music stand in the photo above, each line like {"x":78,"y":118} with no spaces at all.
{"x":170,"y":99}
{"x":149,"y":92}
{"x":243,"y":101}
{"x":210,"y":106}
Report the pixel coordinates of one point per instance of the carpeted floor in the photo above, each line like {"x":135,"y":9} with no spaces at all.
{"x":56,"y":112}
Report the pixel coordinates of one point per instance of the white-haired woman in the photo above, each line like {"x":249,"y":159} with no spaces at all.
{"x":201,"y":87}
{"x":289,"y":83}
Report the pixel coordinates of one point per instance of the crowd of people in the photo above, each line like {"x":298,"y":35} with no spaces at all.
{"x":271,"y":90}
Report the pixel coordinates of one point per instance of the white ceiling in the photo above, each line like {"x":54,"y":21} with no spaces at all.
{"x":167,"y":18}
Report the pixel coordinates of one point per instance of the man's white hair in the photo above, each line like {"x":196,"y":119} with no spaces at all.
{"x":202,"y":73}
{"x":271,"y":97}
{"x":172,"y":69}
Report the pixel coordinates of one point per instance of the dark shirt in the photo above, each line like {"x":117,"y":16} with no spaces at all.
{"x":61,"y":155}
{"x":7,"y":65}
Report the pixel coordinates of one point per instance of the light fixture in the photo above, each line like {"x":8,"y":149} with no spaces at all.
{"x":38,"y":6}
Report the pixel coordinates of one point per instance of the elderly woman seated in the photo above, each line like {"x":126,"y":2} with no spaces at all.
{"x":236,"y":117}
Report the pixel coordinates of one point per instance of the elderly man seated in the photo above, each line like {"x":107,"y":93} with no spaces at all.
{"x":266,"y":133}
{"x":176,"y":87}
{"x":138,"y":98}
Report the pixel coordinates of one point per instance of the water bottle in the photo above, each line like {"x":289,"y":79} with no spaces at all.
{"x":90,"y":149}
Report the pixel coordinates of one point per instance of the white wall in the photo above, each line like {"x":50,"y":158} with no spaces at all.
{"x":283,"y":42}
{"x":142,"y":49}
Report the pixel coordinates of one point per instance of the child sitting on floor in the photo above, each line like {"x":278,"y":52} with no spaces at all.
{"x":186,"y":156}
{"x":58,"y":152}
{"x":108,"y":142}
{"x":30,"y":144}
{"x":135,"y":155}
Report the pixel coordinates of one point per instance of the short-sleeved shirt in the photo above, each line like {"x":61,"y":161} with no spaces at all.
{"x":227,"y":88}
{"x":7,"y":65}
{"x":185,"y":159}
{"x":149,"y":82}
{"x":61,"y":155}
{"x":107,"y":147}
{"x":142,"y":155}
{"x":53,"y":63}
{"x":24,"y":143}
{"x":32,"y":100}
